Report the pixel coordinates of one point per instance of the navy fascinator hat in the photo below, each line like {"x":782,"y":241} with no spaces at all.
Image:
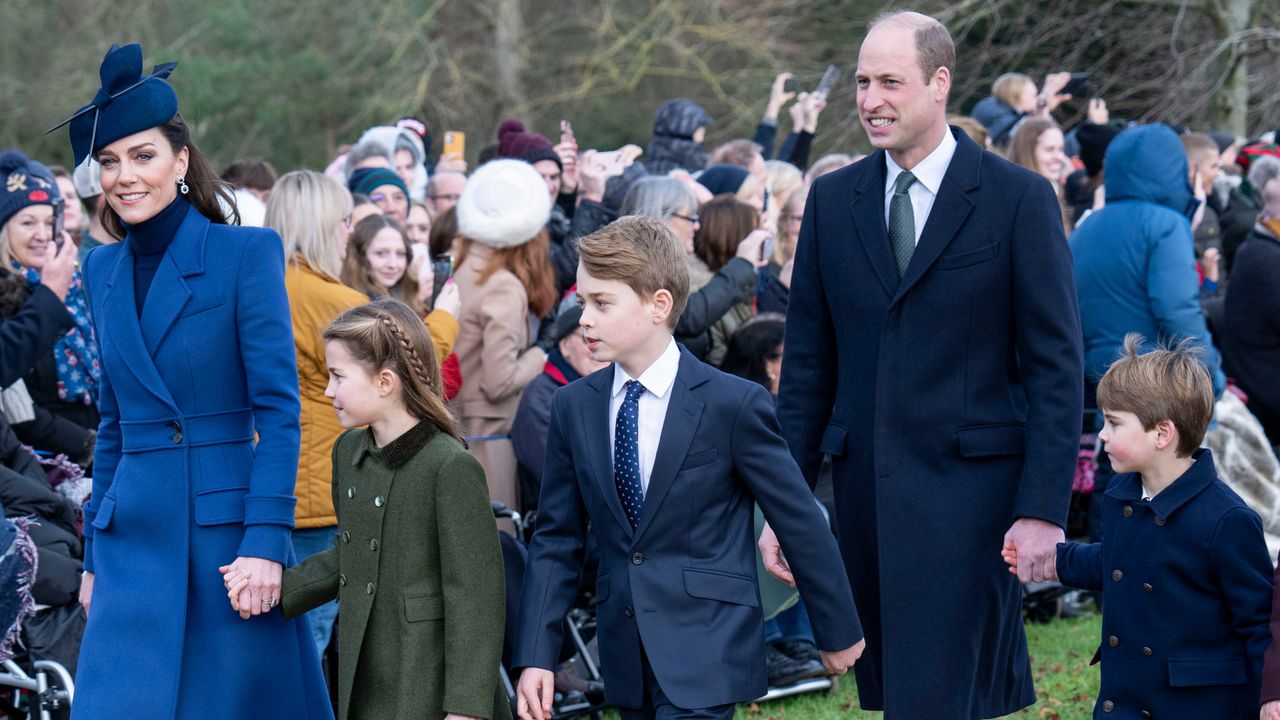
{"x":128,"y":102}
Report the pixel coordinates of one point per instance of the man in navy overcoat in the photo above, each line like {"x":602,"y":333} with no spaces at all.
{"x":934,"y":351}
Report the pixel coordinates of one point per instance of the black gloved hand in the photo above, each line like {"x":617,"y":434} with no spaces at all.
{"x":547,"y":332}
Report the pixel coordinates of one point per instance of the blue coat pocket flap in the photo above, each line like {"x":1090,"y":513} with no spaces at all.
{"x":991,"y":440}
{"x":424,"y":607}
{"x":220,"y":507}
{"x":833,"y":440}
{"x":102,"y":520}
{"x":725,"y":587}
{"x":1200,"y":672}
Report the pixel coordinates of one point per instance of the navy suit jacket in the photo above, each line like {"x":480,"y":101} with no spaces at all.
{"x":683,"y":584}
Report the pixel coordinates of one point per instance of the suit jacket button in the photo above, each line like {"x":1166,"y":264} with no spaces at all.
{"x":1146,"y":713}
{"x":1146,"y":651}
{"x":629,"y":611}
{"x":379,"y":501}
{"x":1159,"y":522}
{"x":1128,"y":510}
{"x":1147,"y":587}
{"x":342,"y":579}
{"x":1113,"y":641}
{"x":637,"y":559}
{"x":346,"y":537}
{"x":1108,"y":706}
{"x":1117,"y":575}
{"x":368,"y":589}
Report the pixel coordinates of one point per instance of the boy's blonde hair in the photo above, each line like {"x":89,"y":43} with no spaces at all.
{"x":644,"y":255}
{"x":1163,"y":384}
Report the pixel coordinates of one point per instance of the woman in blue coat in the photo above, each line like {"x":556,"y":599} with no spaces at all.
{"x":197,"y":361}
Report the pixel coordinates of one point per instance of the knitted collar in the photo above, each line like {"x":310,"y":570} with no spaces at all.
{"x":401,"y":450}
{"x":152,"y":236}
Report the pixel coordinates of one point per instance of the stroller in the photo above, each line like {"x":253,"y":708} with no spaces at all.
{"x":40,"y":688}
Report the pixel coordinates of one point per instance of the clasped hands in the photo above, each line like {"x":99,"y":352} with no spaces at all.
{"x":253,"y":585}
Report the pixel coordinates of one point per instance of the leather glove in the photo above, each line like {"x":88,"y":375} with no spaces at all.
{"x":546,"y":332}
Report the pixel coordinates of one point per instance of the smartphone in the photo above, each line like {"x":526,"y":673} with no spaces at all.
{"x":566,"y":131}
{"x":442,"y":269}
{"x":59,"y":214}
{"x":828,"y":81}
{"x":1078,"y":86}
{"x":766,"y":248}
{"x":790,"y":85}
{"x":455,"y":144}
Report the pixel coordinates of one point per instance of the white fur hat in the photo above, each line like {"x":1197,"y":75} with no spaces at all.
{"x":505,"y":204}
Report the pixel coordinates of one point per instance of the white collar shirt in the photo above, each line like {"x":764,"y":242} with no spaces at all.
{"x":929,"y":173}
{"x":657,"y":380}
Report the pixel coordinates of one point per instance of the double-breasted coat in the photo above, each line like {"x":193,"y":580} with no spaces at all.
{"x":950,"y":402}
{"x":417,"y":572}
{"x":180,"y":487}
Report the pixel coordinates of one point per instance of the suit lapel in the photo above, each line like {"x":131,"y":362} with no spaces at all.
{"x":950,"y":209}
{"x":678,"y":428}
{"x":122,"y":329}
{"x":169,"y":292}
{"x":596,"y":431}
{"x":868,"y":219}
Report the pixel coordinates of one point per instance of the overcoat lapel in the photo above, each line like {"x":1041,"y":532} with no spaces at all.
{"x":683,"y":412}
{"x":169,"y":292}
{"x":123,"y":331}
{"x":868,"y":220}
{"x":950,"y":209}
{"x":596,"y":430}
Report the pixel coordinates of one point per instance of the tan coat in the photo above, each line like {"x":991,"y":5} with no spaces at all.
{"x":496,"y":364}
{"x":314,"y":302}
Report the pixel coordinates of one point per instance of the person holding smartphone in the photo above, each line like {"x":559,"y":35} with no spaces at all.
{"x":56,"y":409}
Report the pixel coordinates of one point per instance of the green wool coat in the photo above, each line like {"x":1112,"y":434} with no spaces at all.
{"x":417,"y":572}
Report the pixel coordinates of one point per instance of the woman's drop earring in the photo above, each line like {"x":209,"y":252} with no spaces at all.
{"x":182,"y":185}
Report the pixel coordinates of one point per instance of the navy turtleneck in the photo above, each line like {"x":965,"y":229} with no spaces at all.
{"x":149,"y":240}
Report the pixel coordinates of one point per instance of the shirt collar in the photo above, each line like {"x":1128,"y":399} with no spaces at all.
{"x":930,"y":171}
{"x":658,"y":378}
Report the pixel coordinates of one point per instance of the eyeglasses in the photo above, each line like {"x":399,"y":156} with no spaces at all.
{"x":691,"y":219}
{"x":346,"y":221}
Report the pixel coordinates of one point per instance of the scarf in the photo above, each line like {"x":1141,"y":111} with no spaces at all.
{"x":75,"y":353}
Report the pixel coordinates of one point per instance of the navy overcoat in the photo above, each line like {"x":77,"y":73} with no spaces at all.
{"x":180,"y":487}
{"x":950,"y":402}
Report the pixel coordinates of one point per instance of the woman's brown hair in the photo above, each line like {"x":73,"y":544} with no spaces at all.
{"x":1022,"y":151}
{"x":531,"y":264}
{"x":725,"y":222}
{"x":207,"y":192}
{"x":358,"y":275}
{"x":387,"y":334}
{"x":444,"y":230}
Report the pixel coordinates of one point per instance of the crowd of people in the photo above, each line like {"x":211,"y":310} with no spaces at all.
{"x":164,"y":327}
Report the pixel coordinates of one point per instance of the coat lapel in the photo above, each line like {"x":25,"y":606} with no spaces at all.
{"x":868,"y":220}
{"x":169,"y":292}
{"x":596,"y":431}
{"x":950,"y":209}
{"x":122,"y":329}
{"x":683,"y":412}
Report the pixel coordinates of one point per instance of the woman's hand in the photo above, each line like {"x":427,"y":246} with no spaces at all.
{"x":426,"y":275}
{"x":262,"y":591}
{"x":449,"y":301}
{"x":57,"y":271}
{"x":86,"y":590}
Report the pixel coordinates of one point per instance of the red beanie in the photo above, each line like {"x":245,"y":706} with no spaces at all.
{"x":514,"y":142}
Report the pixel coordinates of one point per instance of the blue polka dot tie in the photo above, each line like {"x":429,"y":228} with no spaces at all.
{"x":626,"y":453}
{"x":902,"y":222}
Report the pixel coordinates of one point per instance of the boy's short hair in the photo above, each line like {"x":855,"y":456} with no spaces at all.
{"x":1199,"y":147}
{"x":643,"y":254}
{"x":1163,"y":384}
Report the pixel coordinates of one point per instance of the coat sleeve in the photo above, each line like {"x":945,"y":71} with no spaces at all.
{"x":106,"y":452}
{"x":1050,"y":354}
{"x":509,"y":363}
{"x":54,"y":433}
{"x":555,"y":554}
{"x":314,"y":581}
{"x":271,"y":371}
{"x":1242,"y":564}
{"x":1080,"y":565}
{"x":811,"y":353}
{"x":1173,"y":292}
{"x":761,"y":459}
{"x":472,"y":580}
{"x":731,"y":285}
{"x":443,"y":329}
{"x":30,"y":333}
{"x":766,"y":135}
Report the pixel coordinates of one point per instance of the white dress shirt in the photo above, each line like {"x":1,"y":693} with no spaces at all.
{"x":929,"y":173}
{"x":657,"y":382}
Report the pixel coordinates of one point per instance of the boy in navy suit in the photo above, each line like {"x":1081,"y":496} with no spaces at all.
{"x":1183,"y":566}
{"x":664,"y":457}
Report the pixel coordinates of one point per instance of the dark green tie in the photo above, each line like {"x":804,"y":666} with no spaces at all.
{"x":902,"y":222}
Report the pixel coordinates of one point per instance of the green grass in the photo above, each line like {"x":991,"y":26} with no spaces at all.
{"x":1065,"y":682}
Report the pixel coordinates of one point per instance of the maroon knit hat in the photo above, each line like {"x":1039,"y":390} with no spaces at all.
{"x":514,"y":142}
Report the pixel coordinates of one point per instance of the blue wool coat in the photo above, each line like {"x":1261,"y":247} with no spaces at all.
{"x":950,"y":404}
{"x":180,"y":488}
{"x":1186,"y":580}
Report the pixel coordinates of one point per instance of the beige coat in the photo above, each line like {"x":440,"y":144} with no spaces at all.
{"x":496,"y":364}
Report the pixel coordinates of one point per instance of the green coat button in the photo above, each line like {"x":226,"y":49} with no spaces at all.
{"x":373,"y":544}
{"x":351,"y":492}
{"x":379,"y":501}
{"x":346,"y":537}
{"x":369,"y":588}
{"x":342,"y":579}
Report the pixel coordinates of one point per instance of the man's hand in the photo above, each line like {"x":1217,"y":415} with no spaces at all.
{"x":778,"y":95}
{"x":1270,"y":711}
{"x":535,"y":693}
{"x":771,"y":554}
{"x":838,"y":663}
{"x":1035,"y":546}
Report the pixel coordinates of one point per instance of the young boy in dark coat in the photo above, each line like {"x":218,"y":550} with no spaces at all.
{"x":664,"y":457}
{"x":1183,"y":565}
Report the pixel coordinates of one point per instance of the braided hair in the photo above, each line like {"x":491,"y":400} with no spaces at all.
{"x":388,"y":334}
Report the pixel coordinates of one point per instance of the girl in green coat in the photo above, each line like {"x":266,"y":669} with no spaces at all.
{"x":415,"y":566}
